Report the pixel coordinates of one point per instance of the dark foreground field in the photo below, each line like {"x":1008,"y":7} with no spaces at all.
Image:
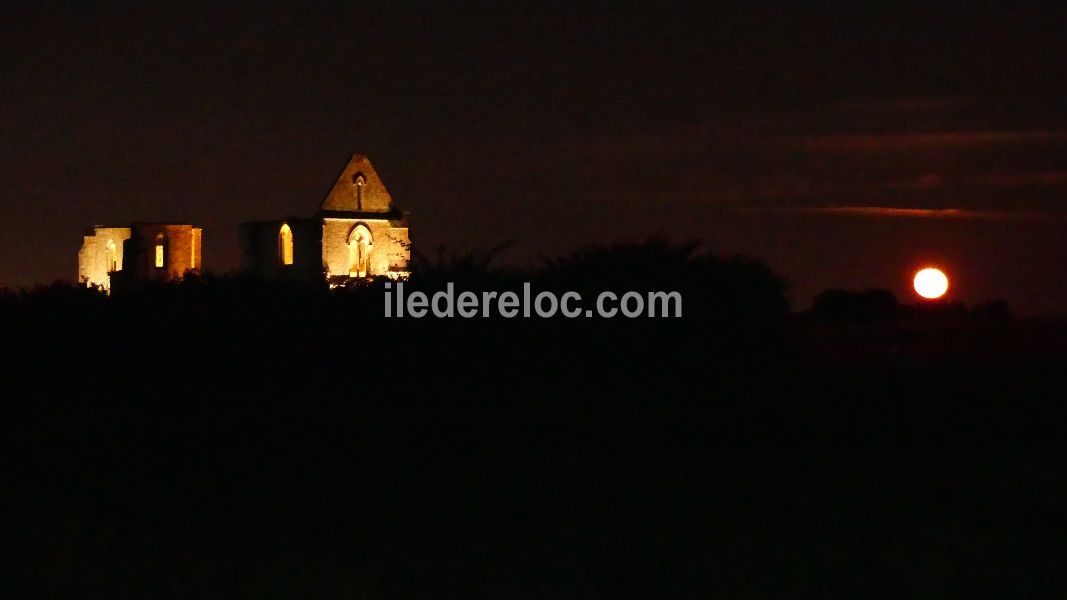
{"x":233,"y":439}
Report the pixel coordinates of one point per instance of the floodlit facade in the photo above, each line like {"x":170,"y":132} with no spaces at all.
{"x":101,"y":255}
{"x":357,"y":233}
{"x":140,"y":252}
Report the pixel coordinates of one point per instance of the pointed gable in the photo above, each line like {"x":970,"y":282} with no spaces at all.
{"x":358,"y":189}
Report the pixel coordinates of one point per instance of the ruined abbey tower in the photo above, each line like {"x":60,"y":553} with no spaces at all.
{"x":140,"y":252}
{"x":357,"y":233}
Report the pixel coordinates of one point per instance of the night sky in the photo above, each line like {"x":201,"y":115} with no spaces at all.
{"x":844,"y":148}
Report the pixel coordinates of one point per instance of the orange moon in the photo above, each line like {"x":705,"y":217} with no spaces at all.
{"x":931,"y":283}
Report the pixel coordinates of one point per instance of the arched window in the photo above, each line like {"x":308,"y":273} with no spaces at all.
{"x":285,"y":245}
{"x":111,"y":259}
{"x":359,"y":181}
{"x":161,"y":250}
{"x":359,"y":249}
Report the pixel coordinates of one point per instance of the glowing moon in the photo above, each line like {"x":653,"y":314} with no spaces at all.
{"x":931,"y":283}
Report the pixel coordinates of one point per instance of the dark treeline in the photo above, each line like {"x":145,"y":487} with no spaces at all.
{"x":226,"y":437}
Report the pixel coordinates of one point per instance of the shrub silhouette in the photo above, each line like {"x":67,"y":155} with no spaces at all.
{"x":865,"y":306}
{"x":228,"y":436}
{"x":723,"y":289}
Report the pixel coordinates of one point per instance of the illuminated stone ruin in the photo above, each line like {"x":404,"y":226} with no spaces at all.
{"x":357,"y":233}
{"x":140,"y":252}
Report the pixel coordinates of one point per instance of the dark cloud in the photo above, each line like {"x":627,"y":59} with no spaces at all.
{"x":883,"y":142}
{"x":911,"y":213}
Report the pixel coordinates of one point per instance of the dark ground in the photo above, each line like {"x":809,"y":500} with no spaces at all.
{"x":234,"y":439}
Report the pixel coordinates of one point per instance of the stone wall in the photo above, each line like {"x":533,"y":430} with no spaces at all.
{"x":183,"y":251}
{"x":390,"y":245}
{"x":260,"y":249}
{"x":96,"y":261}
{"x":369,"y":196}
